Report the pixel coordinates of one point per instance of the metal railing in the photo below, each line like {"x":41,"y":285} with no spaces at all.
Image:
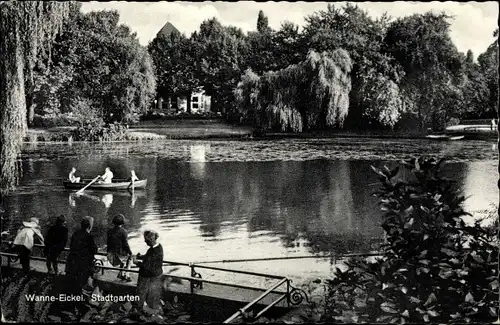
{"x":242,"y":311}
{"x":293,"y":295}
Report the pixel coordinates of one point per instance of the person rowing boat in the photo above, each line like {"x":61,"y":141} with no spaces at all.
{"x":107,"y":177}
{"x":72,"y":177}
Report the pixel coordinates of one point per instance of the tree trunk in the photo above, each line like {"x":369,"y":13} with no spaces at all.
{"x":30,"y":107}
{"x":12,"y":101}
{"x":29,"y":90}
{"x":188,"y":102}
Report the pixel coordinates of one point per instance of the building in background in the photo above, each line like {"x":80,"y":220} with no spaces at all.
{"x":199,"y":103}
{"x":196,"y":102}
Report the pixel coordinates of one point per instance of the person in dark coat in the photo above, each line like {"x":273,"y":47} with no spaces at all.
{"x":149,"y":286}
{"x":119,"y":253}
{"x":79,"y":264}
{"x":56,"y":240}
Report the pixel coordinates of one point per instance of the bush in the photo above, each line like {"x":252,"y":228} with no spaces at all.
{"x":50,"y":121}
{"x":98,"y":131}
{"x":152,"y":116}
{"x":435,"y":268}
{"x":83,"y":110}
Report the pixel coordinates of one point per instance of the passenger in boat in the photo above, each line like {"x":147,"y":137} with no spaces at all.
{"x":79,"y":264}
{"x":57,"y":237}
{"x":133,"y":178}
{"x":25,"y":240}
{"x":107,"y":176}
{"x":119,"y":253}
{"x":72,"y":177}
{"x":149,"y":286}
{"x":493,"y":124}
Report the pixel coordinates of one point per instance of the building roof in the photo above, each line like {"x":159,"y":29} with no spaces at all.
{"x":167,"y":30}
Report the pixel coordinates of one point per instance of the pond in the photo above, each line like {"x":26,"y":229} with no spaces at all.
{"x":222,"y":200}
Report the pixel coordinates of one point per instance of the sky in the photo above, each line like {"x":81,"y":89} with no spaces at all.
{"x":472,"y":27}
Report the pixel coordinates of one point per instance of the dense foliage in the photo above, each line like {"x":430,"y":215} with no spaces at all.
{"x":219,"y":50}
{"x":373,"y":73}
{"x":313,"y":93}
{"x":97,"y":130}
{"x":15,"y":308}
{"x":100,"y":69}
{"x":175,"y":64}
{"x":27,"y":30}
{"x":433,"y":69}
{"x":434,"y":269}
{"x":405,"y":71}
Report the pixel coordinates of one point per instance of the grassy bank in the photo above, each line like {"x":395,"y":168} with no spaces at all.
{"x":152,"y":130}
{"x":199,"y":129}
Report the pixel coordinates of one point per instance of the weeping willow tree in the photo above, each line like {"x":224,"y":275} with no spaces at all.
{"x":27,"y":29}
{"x":311,"y":94}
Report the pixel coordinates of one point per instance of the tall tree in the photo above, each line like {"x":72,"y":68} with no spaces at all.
{"x":108,"y":74}
{"x":287,"y":46}
{"x":475,"y":91}
{"x":422,"y":45}
{"x":488,"y":62}
{"x":220,"y":52}
{"x":27,"y":29}
{"x":175,"y":63}
{"x":353,"y":30}
{"x":469,"y":57}
{"x":311,"y":94}
{"x":259,"y":55}
{"x":262,"y":23}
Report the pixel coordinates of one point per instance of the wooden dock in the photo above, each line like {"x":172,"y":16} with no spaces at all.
{"x":472,"y":131}
{"x":211,"y":299}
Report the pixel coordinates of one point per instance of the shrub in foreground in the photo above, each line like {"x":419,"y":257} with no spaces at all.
{"x":435,"y":268}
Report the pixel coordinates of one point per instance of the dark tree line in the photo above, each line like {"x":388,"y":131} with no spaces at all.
{"x":406,"y":73}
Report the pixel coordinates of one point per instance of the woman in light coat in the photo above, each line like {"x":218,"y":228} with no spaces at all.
{"x":25,"y":240}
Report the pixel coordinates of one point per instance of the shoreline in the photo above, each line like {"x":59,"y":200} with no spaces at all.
{"x":219,"y":130}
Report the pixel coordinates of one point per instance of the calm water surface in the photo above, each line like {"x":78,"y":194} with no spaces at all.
{"x":219,"y":200}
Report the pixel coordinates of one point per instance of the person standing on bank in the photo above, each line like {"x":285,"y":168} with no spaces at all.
{"x":25,"y":240}
{"x":57,"y":237}
{"x":79,"y":264}
{"x":119,"y":253}
{"x":149,"y":286}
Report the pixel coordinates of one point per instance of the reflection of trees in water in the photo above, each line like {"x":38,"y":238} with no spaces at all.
{"x":325,"y":203}
{"x":314,"y":200}
{"x":341,"y":218}
{"x":340,"y":243}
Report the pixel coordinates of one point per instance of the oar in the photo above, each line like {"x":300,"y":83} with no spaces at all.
{"x":80,"y":191}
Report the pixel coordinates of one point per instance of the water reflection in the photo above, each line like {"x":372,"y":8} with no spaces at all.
{"x":480,"y":179}
{"x":197,"y":159}
{"x":107,"y":198}
{"x":207,"y":208}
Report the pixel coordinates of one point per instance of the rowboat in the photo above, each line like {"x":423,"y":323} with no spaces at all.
{"x":118,"y":184}
{"x":444,"y":137}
